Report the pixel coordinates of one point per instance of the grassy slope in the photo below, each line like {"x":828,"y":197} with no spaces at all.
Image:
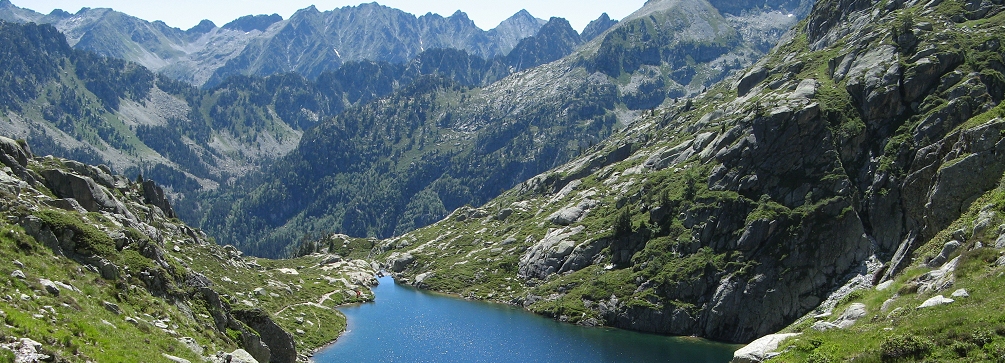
{"x":77,"y":327}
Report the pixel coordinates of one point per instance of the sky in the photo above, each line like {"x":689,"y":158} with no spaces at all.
{"x":486,"y":14}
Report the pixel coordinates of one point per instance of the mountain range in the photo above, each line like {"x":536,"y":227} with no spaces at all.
{"x":819,"y":180}
{"x":226,"y":142}
{"x":308,"y":43}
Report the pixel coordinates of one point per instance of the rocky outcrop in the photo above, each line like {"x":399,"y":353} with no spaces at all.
{"x":15,"y":155}
{"x":547,"y":255}
{"x":280,"y":343}
{"x":153,"y":194}
{"x":85,"y":191}
{"x":398,"y":261}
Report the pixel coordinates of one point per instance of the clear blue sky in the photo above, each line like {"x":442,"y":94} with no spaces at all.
{"x":485,"y":13}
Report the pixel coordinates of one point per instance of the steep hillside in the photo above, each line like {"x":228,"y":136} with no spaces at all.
{"x":847,"y":157}
{"x":98,"y":269}
{"x":384,"y":168}
{"x":106,"y":111}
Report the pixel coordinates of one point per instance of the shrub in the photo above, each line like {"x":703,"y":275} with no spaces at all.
{"x":899,"y":347}
{"x":623,"y":223}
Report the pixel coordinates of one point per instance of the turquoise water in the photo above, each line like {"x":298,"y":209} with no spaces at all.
{"x":408,"y":325}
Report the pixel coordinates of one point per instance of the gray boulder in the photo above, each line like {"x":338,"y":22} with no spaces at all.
{"x":851,"y":315}
{"x":13,"y":155}
{"x":69,"y":204}
{"x":572,"y":214}
{"x":750,"y":79}
{"x":175,"y":359}
{"x":112,"y":307}
{"x":49,"y":286}
{"x":947,"y":250}
{"x":17,"y":274}
{"x":27,"y":350}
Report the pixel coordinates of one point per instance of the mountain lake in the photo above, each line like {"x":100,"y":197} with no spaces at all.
{"x":408,"y":325}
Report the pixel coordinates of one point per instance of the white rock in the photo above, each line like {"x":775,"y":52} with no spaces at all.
{"x":961,"y":293}
{"x":760,"y":349}
{"x":241,"y":356}
{"x":175,"y":359}
{"x":18,"y":274}
{"x":884,"y":285}
{"x":936,"y":301}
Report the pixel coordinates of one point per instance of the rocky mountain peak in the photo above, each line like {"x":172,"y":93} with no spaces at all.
{"x":248,"y":23}
{"x":597,"y":27}
{"x":204,"y":26}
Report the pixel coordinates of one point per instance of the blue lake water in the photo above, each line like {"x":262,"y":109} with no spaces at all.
{"x":408,"y":325}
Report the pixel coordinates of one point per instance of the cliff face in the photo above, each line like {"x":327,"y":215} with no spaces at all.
{"x":100,"y":270}
{"x":868,"y":130}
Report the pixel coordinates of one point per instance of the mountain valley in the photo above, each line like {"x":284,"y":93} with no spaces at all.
{"x":819,"y":181}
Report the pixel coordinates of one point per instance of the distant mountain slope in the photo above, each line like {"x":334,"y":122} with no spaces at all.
{"x":384,"y":168}
{"x":104,"y":110}
{"x":308,"y":43}
{"x":312,"y":41}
